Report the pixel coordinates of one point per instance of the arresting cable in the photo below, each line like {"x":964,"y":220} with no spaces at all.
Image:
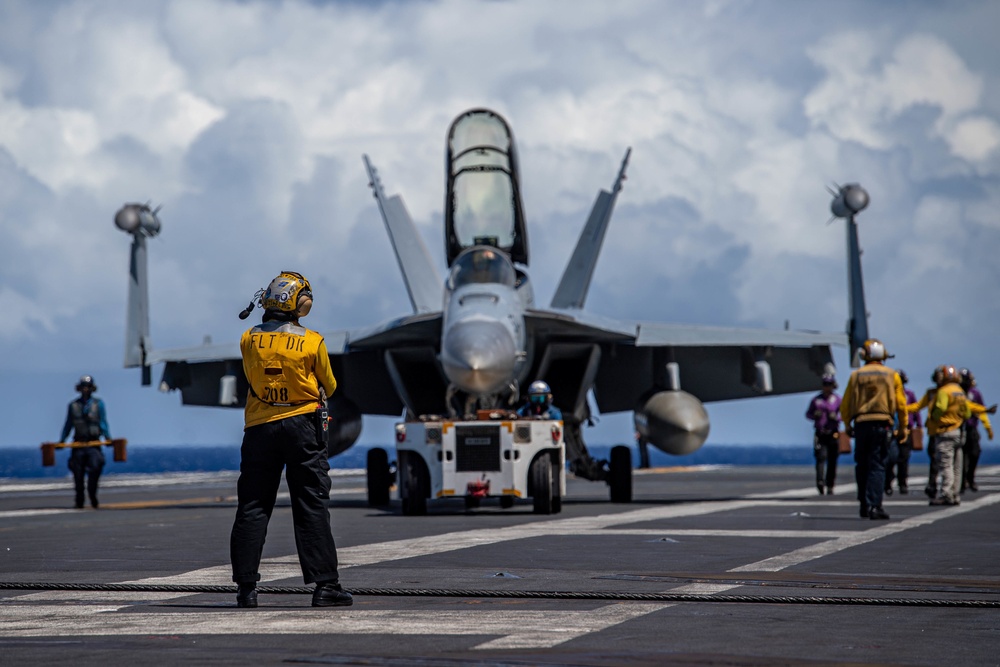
{"x":607,"y":596}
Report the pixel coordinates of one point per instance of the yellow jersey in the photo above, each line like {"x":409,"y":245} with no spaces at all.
{"x":875,"y":393}
{"x":935,"y":426}
{"x":286,"y":366}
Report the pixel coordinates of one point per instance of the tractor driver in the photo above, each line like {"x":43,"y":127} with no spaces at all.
{"x":539,"y":405}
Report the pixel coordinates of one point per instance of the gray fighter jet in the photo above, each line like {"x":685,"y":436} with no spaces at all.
{"x":475,"y":338}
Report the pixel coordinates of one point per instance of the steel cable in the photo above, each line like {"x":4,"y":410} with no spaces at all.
{"x":609,"y":596}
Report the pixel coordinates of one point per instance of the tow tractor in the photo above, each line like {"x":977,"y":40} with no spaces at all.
{"x":498,"y":455}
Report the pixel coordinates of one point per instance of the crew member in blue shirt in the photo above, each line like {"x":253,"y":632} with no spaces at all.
{"x":539,"y":405}
{"x":89,"y":421}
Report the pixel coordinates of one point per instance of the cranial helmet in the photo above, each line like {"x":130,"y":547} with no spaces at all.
{"x":938,"y":375}
{"x":539,"y":392}
{"x":874,"y":350}
{"x":285,"y":292}
{"x":949,"y":374}
{"x":903,"y":376}
{"x":966,"y":378}
{"x":86,"y":381}
{"x":830,"y":380}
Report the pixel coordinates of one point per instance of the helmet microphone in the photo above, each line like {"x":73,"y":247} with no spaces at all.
{"x":245,"y":313}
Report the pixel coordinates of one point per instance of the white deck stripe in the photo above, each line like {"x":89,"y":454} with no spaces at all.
{"x":516,"y":629}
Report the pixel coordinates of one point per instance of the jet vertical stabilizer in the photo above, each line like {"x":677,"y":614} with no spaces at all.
{"x":141,"y":222}
{"x":848,"y":201}
{"x":575,"y":282}
{"x":423,"y":283}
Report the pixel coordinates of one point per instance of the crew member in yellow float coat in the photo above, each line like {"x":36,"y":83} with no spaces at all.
{"x":288,"y":369}
{"x":928,"y":400}
{"x":873,"y":399}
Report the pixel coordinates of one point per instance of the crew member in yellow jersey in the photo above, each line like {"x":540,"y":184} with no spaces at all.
{"x":935,"y":428}
{"x":873,"y":407}
{"x":288,"y":369}
{"x":948,"y":412}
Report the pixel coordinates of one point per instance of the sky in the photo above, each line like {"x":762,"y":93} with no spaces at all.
{"x":247,"y":121}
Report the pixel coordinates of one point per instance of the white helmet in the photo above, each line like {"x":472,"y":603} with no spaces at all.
{"x":539,"y":393}
{"x":873,"y":350}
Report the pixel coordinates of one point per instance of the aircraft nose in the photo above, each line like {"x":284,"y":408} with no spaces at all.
{"x":478,"y":356}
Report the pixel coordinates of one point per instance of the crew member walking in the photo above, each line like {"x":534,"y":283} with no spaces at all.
{"x":948,"y":412}
{"x":88,"y":420}
{"x":915,"y":408}
{"x":972,"y":449}
{"x":824,"y":411}
{"x":897,"y":464}
{"x":288,"y":368}
{"x":873,"y":397}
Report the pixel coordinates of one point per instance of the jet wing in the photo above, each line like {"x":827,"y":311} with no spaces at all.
{"x":631,"y":359}
{"x":364,"y":362}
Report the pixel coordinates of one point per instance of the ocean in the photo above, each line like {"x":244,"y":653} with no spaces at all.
{"x":26,"y":462}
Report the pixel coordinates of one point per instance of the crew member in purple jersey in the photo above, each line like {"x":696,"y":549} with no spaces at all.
{"x":972,"y":448}
{"x":897,"y":465}
{"x":824,"y":411}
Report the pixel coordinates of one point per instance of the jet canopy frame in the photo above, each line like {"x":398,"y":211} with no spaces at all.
{"x":483,"y":198}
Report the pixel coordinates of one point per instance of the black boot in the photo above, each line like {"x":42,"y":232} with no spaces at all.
{"x":246,"y":596}
{"x":331,"y":595}
{"x":877,"y":513}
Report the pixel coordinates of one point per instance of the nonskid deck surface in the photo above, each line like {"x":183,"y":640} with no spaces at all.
{"x":757,"y":568}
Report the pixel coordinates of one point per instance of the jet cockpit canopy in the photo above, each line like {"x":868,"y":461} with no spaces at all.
{"x":481,"y":264}
{"x":483,"y":199}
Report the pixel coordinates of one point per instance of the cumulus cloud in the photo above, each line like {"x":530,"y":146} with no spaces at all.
{"x":866,"y":91}
{"x":247,"y":121}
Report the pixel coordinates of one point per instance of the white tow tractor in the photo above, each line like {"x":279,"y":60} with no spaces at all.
{"x":498,"y":455}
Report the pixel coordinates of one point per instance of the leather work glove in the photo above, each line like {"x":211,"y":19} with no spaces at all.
{"x":989,"y":432}
{"x":992,"y":409}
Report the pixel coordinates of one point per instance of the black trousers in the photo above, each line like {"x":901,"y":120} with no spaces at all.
{"x":826,"y":449}
{"x":86,"y":464}
{"x":289,"y":444}
{"x":871,"y":445}
{"x":972,"y":450}
{"x":897,"y":464}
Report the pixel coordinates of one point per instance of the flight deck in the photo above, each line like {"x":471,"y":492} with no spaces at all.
{"x":707,"y":566}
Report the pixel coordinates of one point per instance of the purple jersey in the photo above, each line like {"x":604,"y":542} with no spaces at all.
{"x":915,"y":421}
{"x":824,"y":411}
{"x":976,"y":397}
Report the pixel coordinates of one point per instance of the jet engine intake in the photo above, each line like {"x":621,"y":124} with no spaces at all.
{"x":672,"y":421}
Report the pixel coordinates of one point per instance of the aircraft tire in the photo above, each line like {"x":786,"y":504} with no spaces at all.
{"x":620,"y":474}
{"x":379,"y":479}
{"x":506,"y":502}
{"x":541,"y":478}
{"x":415,"y":483}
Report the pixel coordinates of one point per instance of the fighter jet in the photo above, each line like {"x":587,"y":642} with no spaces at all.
{"x":476,"y":337}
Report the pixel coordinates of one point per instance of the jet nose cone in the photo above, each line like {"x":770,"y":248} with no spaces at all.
{"x":478,"y":356}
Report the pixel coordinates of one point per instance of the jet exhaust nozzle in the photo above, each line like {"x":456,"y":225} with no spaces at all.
{"x":673,"y":421}
{"x":478,"y":356}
